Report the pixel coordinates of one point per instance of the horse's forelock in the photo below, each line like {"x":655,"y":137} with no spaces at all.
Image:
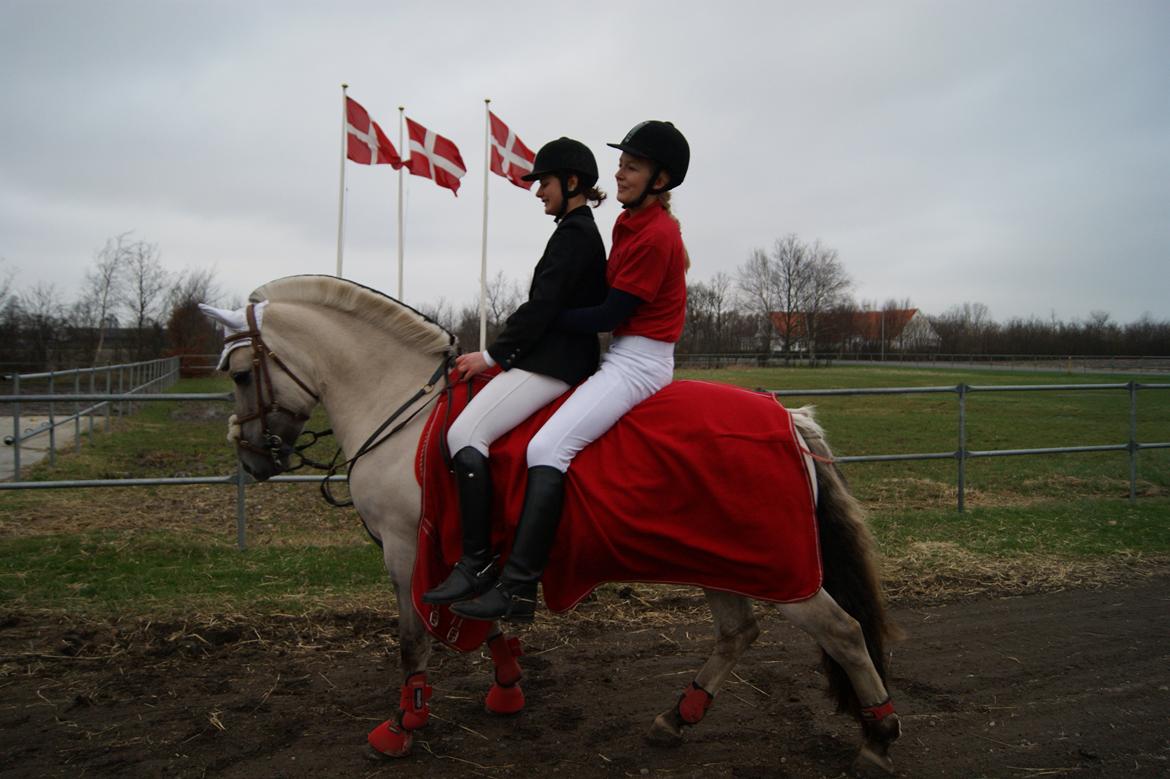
{"x":363,"y":302}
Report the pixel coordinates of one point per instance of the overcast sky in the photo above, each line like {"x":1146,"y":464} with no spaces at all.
{"x":1011,"y":153}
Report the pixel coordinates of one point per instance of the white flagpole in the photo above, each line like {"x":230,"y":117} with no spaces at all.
{"x":487,"y":129}
{"x":401,"y":151}
{"x":341,"y":193}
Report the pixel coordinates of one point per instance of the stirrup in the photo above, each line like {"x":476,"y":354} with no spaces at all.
{"x":463,"y":583}
{"x":500,"y":602}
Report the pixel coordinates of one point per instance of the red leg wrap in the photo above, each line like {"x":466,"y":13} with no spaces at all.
{"x":505,"y":696}
{"x":413,"y":710}
{"x":391,"y":740}
{"x":694,"y":704}
{"x":504,"y":653}
{"x":879,"y":712}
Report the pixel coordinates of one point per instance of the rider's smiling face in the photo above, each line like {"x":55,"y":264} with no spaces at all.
{"x":549,"y":193}
{"x":632,"y":177}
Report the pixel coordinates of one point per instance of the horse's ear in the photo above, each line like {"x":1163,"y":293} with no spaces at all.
{"x":233,"y":320}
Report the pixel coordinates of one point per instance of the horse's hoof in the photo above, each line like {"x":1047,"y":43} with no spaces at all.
{"x":870,"y":765}
{"x":504,"y":701}
{"x":664,"y":732}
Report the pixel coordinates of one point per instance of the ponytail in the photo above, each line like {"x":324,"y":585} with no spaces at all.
{"x":664,"y":199}
{"x":595,"y":196}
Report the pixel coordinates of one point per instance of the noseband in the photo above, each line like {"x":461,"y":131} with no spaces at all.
{"x":274,"y":445}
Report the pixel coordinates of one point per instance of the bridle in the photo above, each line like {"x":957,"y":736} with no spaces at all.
{"x":275,"y":446}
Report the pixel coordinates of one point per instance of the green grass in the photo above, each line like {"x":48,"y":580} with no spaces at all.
{"x":172,"y":550}
{"x":116,"y":572}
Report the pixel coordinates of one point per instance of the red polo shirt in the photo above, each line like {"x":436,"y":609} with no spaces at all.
{"x":648,"y":260}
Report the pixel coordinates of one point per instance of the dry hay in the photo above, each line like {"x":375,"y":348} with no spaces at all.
{"x":938,"y":571}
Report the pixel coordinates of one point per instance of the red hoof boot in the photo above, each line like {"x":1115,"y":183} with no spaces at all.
{"x":389,"y":740}
{"x":504,"y":700}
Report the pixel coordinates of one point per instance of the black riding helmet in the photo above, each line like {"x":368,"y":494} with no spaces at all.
{"x":662,"y":144}
{"x":562,"y":158}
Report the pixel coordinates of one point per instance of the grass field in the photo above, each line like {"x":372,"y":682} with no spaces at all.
{"x":1031,"y":522}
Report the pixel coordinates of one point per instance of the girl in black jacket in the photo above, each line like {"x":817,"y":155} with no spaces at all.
{"x":539,"y":363}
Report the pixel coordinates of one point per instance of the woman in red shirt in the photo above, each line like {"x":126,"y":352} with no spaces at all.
{"x":645,"y":308}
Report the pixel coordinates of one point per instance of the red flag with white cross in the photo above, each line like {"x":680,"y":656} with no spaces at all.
{"x":510,"y":158}
{"x":365,"y":141}
{"x":433,"y":156}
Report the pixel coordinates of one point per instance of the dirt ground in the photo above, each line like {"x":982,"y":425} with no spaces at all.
{"x":1067,"y":683}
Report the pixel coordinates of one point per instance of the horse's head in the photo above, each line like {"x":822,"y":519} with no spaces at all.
{"x":273,"y":402}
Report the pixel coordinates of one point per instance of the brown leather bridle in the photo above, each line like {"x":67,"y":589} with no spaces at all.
{"x":275,"y":446}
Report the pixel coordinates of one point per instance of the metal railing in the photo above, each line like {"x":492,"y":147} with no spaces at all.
{"x":133,"y":380}
{"x":1008,"y":362}
{"x":961,"y":454}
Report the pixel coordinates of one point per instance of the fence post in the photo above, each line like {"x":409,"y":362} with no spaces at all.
{"x":109,"y":387}
{"x":93,"y":408}
{"x":240,"y":518}
{"x":77,"y":412}
{"x":961,"y":454}
{"x":121,"y":391}
{"x":52,"y":425}
{"x":1133,"y":443}
{"x":16,"y":429}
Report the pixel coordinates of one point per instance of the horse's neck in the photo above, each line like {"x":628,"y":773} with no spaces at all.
{"x":362,"y":372}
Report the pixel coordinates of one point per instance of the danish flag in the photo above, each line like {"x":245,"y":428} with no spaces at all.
{"x":510,"y":157}
{"x":435,"y":157}
{"x":365,"y":141}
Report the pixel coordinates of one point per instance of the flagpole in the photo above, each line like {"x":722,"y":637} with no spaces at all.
{"x":487,"y":129}
{"x":401,"y":150}
{"x":341,"y":192}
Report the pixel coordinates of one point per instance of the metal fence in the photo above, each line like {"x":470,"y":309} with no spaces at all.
{"x":132,"y":381}
{"x":1001,"y":362}
{"x":960,"y":454}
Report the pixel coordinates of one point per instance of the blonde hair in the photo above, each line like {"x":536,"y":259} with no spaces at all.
{"x":664,"y":199}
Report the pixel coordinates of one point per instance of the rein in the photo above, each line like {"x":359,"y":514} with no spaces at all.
{"x":276,"y":446}
{"x":373,"y":441}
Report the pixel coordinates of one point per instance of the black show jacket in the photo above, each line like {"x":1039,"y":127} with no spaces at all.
{"x":570,"y":274}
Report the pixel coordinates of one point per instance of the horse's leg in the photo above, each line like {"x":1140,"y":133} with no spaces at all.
{"x":393,"y":738}
{"x":735,"y":630}
{"x":842,"y":638}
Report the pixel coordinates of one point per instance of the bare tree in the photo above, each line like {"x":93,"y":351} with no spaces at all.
{"x":43,"y":323}
{"x":102,"y":290}
{"x":792,"y":259}
{"x":756,"y":280}
{"x":142,"y":294}
{"x":189,"y":333}
{"x":824,"y":286}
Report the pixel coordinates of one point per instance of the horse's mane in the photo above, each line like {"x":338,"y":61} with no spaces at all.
{"x":365,"y":303}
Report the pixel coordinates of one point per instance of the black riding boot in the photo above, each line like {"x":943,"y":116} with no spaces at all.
{"x":514,"y":596}
{"x":475,"y":572}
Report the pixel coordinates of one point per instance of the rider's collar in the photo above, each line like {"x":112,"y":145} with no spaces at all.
{"x":234,"y":323}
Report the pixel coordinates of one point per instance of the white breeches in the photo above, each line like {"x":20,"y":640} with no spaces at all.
{"x":632,"y":370}
{"x":504,"y":402}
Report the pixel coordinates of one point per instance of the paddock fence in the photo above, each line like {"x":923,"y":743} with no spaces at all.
{"x":130,"y":381}
{"x":960,"y":454}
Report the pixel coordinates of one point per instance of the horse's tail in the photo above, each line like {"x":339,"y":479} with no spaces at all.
{"x":848,"y":559}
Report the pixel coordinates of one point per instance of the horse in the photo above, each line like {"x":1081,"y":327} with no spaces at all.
{"x":309,"y":340}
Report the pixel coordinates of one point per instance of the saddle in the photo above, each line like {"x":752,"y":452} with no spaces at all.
{"x":701,"y":484}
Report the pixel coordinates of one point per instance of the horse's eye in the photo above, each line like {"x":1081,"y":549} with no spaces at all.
{"x":241,"y":378}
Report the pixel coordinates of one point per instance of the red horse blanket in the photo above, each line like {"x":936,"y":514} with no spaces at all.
{"x":701,"y":484}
